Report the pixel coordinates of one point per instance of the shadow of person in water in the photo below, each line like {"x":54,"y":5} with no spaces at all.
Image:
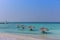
{"x":43,"y":36}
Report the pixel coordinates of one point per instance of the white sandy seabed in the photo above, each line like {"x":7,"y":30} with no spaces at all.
{"x":7,"y":36}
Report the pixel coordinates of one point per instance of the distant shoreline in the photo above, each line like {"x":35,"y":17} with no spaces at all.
{"x":30,"y":22}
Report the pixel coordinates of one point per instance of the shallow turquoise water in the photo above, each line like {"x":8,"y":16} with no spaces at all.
{"x":54,"y":28}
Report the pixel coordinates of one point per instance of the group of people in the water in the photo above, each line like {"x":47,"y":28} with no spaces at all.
{"x":21,"y":26}
{"x":42,"y":29}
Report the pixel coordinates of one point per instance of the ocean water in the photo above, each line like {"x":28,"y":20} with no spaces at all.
{"x":11,"y":27}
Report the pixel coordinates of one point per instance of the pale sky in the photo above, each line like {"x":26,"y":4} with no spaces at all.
{"x":30,"y":10}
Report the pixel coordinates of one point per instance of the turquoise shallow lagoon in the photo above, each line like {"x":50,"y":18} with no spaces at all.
{"x":11,"y":27}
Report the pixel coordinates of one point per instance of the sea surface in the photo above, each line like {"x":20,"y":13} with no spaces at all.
{"x":11,"y":27}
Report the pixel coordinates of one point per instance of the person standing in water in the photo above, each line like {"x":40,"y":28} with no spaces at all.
{"x":31,"y":28}
{"x":43,"y":30}
{"x":22,"y":26}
